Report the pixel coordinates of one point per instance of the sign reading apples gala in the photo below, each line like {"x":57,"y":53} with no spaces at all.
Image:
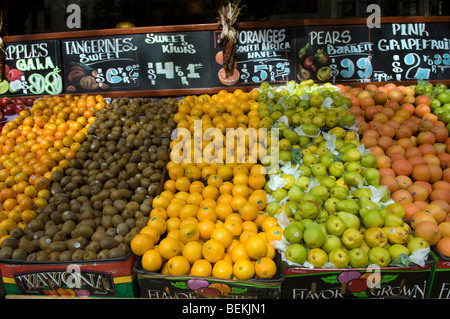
{"x":32,"y":68}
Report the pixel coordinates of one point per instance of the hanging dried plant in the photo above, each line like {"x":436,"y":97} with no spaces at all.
{"x":228,"y":14}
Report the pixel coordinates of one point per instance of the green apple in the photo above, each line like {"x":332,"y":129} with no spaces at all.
{"x":313,"y":236}
{"x":375,"y":237}
{"x":391,"y":220}
{"x":322,"y":217}
{"x":353,"y":179}
{"x":291,"y":136}
{"x":362,"y":192}
{"x":310,"y":129}
{"x":271,"y":208}
{"x":372,"y":176}
{"x":351,"y":220}
{"x":326,"y":159}
{"x":290,"y":180}
{"x":309,"y":209}
{"x":295,"y":193}
{"x":353,"y":167}
{"x":321,"y":192}
{"x":296,"y":253}
{"x":317,"y":257}
{"x":379,"y":256}
{"x":284,"y":209}
{"x":335,"y":225}
{"x":368,"y":161}
{"x":279,"y":194}
{"x":303,"y":182}
{"x":294,"y":233}
{"x":351,"y":155}
{"x":358,"y":258}
{"x":330,"y":204}
{"x":396,"y":250}
{"x":328,"y":181}
{"x":336,"y":169}
{"x":309,"y":159}
{"x":316,"y":101}
{"x":352,"y":238}
{"x":339,"y":192}
{"x":319,"y":169}
{"x":349,"y":205}
{"x":339,"y":257}
{"x":373,"y":218}
{"x":417,"y":243}
{"x":285,"y":156}
{"x":331,"y":242}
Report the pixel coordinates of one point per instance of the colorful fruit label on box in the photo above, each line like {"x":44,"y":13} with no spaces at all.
{"x":191,"y":288}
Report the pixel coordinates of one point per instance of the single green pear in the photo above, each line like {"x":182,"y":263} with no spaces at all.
{"x":373,"y":218}
{"x":313,"y":236}
{"x":349,"y":205}
{"x":351,"y":220}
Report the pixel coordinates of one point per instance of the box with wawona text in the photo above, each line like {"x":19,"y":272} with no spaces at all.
{"x":94,"y":278}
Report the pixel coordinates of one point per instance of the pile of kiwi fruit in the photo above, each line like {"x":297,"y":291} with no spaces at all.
{"x":104,"y":197}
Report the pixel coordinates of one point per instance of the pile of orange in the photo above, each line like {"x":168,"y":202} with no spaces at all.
{"x":33,"y":147}
{"x":209,"y":219}
{"x":412,"y":148}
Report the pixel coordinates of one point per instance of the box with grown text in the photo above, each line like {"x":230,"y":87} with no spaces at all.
{"x":95,"y":278}
{"x":440,"y":283}
{"x":380,"y":283}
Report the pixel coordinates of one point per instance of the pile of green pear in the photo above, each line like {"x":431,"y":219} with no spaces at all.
{"x":305,"y":106}
{"x":326,"y":188}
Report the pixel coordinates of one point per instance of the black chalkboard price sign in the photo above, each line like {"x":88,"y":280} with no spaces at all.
{"x":334,"y":54}
{"x":175,"y":60}
{"x":411,"y":51}
{"x":32,"y":68}
{"x":101,"y":64}
{"x":262,"y":55}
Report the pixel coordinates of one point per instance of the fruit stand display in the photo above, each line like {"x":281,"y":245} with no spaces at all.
{"x":292,"y":188}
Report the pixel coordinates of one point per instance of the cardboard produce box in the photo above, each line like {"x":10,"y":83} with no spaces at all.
{"x":156,"y":285}
{"x":440,"y":283}
{"x":380,"y":283}
{"x":94,"y":278}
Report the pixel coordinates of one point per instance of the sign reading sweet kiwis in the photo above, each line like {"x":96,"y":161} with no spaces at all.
{"x":101,"y":64}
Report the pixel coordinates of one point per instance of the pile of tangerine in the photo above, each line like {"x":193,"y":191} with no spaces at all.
{"x":34,"y":145}
{"x":209,"y":219}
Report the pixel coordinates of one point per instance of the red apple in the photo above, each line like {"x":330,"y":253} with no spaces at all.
{"x":4,"y":101}
{"x":29,"y":100}
{"x":19,"y":108}
{"x":19,"y":100}
{"x":9,"y":109}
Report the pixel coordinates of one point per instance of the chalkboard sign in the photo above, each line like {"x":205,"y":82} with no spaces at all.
{"x":175,"y":60}
{"x":411,"y":51}
{"x":333,"y":54}
{"x":32,"y":68}
{"x":261,"y":55}
{"x":101,"y":64}
{"x":160,"y":60}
